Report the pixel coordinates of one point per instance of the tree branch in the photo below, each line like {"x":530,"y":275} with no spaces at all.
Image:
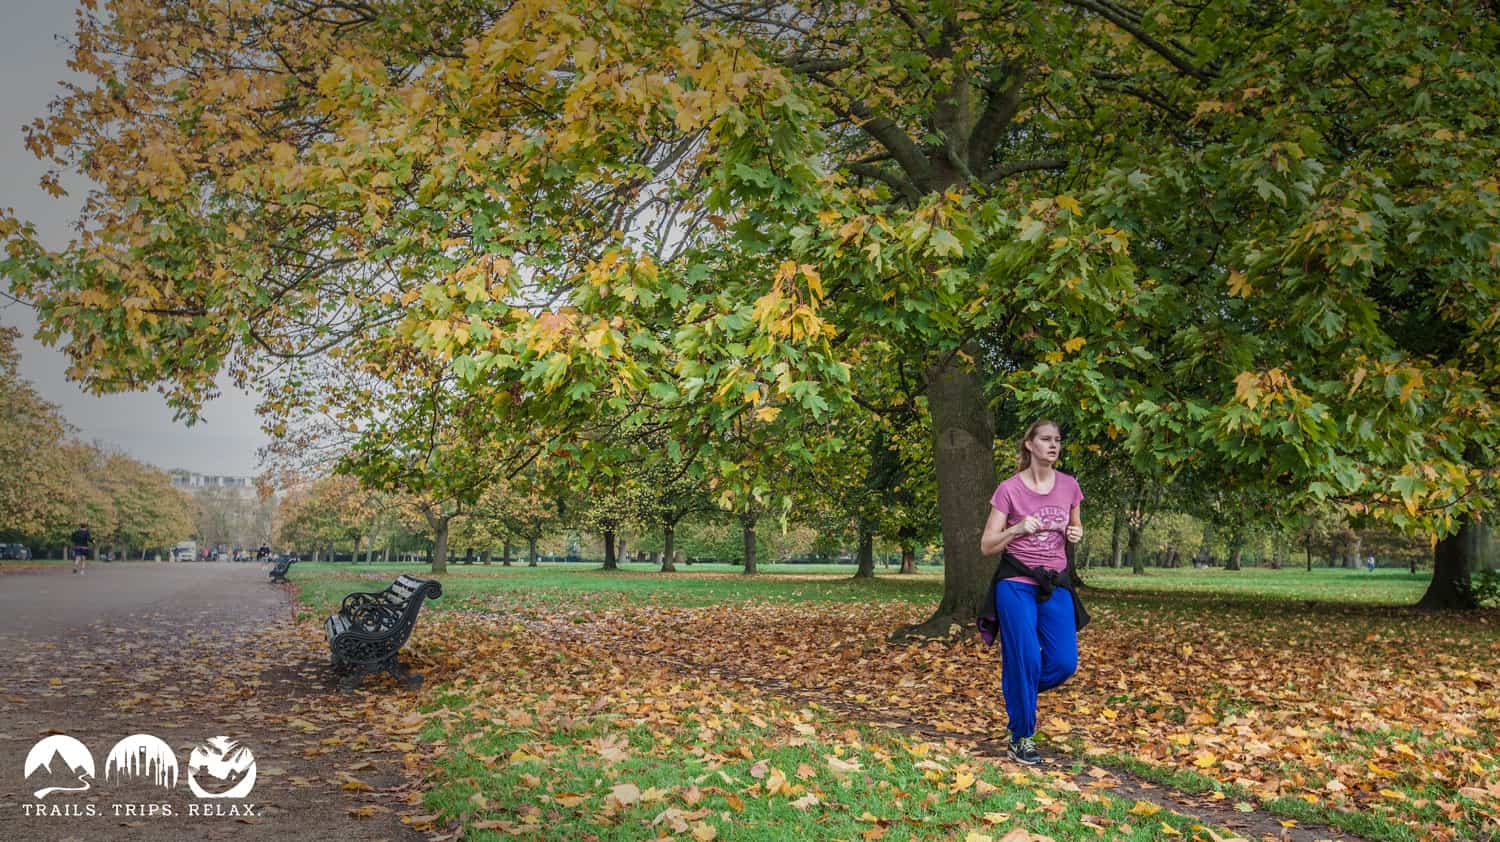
{"x":1000,"y":171}
{"x":902,"y":186}
{"x":1128,"y":20}
{"x":999,"y":110}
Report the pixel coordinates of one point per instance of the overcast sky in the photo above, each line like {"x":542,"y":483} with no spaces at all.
{"x":32,"y":61}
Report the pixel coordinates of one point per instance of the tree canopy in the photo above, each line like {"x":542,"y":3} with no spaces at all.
{"x":1216,"y":236}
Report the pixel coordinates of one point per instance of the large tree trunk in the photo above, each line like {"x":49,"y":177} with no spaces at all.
{"x":531,"y":552}
{"x":1352,"y":557}
{"x":866,"y":556}
{"x":1133,"y":549}
{"x":963,"y":436}
{"x":1234,"y":557}
{"x":506,"y":548}
{"x":908,"y":559}
{"x":1308,"y":547}
{"x":439,"y":544}
{"x":611,"y":562}
{"x":668,"y":541}
{"x":1452,"y":563}
{"x":747,"y":525}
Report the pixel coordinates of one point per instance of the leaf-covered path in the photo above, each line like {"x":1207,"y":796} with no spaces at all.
{"x":183,"y":652}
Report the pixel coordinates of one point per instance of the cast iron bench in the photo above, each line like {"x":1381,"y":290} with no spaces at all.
{"x":283,"y":565}
{"x":368,"y":630}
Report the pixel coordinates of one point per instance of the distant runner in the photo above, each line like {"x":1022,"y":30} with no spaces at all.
{"x":82,"y":540}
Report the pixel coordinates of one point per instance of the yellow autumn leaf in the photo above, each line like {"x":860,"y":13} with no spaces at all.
{"x":1238,"y":285}
{"x":814,"y":280}
{"x":1068,"y":203}
{"x":1247,"y":389}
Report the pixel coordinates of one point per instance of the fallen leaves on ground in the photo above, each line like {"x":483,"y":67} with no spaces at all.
{"x":568,"y":738}
{"x":1357,"y":709}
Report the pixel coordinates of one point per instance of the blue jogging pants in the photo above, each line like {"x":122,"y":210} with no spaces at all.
{"x":1038,"y":648}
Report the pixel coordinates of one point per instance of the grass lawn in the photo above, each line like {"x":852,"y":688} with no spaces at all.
{"x":1321,"y":584}
{"x":708,"y":584}
{"x":583,"y":585}
{"x":1317,"y":696}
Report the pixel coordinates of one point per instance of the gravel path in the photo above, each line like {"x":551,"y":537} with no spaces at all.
{"x":183,"y":652}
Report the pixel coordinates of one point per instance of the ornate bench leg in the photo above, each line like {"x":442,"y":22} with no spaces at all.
{"x":401,"y":672}
{"x":352,"y":678}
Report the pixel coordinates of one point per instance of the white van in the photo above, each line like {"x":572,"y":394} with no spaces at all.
{"x":185,"y":551}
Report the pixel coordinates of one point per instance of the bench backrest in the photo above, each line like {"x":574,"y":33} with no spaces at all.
{"x":393,"y":609}
{"x":403,"y":589}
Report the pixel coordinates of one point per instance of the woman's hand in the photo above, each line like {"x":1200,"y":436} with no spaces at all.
{"x":1074,"y":533}
{"x":1029,"y":525}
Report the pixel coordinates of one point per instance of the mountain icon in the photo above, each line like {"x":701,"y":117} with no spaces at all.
{"x":59,"y":754}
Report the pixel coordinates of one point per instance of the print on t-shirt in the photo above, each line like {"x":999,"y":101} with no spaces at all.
{"x":1053,"y":520}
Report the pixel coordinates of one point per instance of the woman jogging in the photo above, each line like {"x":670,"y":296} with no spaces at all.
{"x":1031,"y":605}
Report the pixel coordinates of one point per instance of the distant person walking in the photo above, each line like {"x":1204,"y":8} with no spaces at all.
{"x":82,"y":540}
{"x":1031,"y":604}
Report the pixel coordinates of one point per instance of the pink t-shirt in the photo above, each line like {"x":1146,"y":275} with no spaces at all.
{"x":1045,"y":548}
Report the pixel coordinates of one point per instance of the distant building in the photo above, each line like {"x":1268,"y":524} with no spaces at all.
{"x":195,"y":483}
{"x":228,"y":510}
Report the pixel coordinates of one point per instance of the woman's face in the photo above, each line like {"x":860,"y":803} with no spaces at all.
{"x":1045,"y":444}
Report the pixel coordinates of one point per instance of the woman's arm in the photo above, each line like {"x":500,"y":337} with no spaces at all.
{"x":1075,"y":527}
{"x":997,"y":537}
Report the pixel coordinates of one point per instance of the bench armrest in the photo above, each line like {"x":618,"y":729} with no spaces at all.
{"x":375,"y":616}
{"x":359,"y":599}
